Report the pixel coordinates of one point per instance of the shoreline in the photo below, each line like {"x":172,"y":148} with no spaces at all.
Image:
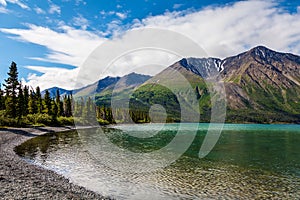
{"x":20,"y":179}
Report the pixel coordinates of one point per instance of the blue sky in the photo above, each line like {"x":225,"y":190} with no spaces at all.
{"x":50,"y":39}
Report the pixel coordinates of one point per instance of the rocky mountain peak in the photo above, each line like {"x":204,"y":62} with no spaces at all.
{"x":204,"y":67}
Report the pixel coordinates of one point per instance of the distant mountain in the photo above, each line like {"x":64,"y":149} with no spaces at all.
{"x":104,"y":86}
{"x":262,"y":86}
{"x":98,"y":86}
{"x":120,"y":89}
{"x":53,"y":90}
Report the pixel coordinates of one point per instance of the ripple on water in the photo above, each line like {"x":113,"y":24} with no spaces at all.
{"x":244,"y":164}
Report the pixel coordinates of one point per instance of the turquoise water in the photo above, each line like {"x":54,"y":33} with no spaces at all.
{"x":248,"y":161}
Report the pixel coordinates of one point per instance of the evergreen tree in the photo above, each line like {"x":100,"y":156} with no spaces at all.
{"x":54,"y":111}
{"x":11,"y":85}
{"x":32,"y":105}
{"x":26,"y":99}
{"x":2,"y":101}
{"x":20,"y":103}
{"x":39,"y":101}
{"x":67,"y":106}
{"x":47,"y":103}
{"x":59,"y":104}
{"x":79,"y":107}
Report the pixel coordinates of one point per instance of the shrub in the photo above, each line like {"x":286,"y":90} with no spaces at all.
{"x":41,"y":119}
{"x":65,"y":120}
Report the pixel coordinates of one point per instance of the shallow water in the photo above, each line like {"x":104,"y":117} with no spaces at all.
{"x":248,"y":161}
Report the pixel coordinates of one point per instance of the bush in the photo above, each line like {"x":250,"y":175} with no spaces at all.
{"x":65,"y":120}
{"x":6,"y":121}
{"x":39,"y":119}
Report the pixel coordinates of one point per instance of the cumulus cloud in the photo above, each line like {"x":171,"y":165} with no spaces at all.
{"x":80,"y":21}
{"x":52,"y":76}
{"x":17,"y":2}
{"x":39,"y":10}
{"x":227,"y":30}
{"x":221,"y":31}
{"x":54,"y":9}
{"x":69,"y":46}
{"x":121,"y":15}
{"x":3,"y":10}
{"x":176,"y":6}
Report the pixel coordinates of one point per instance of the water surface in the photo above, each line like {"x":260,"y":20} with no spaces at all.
{"x":249,"y":161}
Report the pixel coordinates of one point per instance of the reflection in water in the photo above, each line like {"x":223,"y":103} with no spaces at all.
{"x":249,"y":161}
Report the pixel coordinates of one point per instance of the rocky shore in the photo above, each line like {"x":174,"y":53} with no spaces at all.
{"x":21,"y":180}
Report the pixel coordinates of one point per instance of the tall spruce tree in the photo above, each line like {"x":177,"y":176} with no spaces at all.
{"x":39,"y":101}
{"x":20,"y":102}
{"x":2,"y":101}
{"x":67,"y":106}
{"x":54,"y":111}
{"x":59,"y":104}
{"x":11,"y":86}
{"x":32,"y":105}
{"x":26,"y":99}
{"x":47,"y":103}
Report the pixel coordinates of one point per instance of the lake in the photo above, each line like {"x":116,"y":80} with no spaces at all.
{"x":248,"y":161}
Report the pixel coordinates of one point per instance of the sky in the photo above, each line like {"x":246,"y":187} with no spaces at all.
{"x":50,"y":40}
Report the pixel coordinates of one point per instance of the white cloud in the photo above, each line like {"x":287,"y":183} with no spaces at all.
{"x":3,"y":10}
{"x":3,"y":2}
{"x":176,"y":6}
{"x":19,"y":3}
{"x":81,"y":22}
{"x":70,"y":46}
{"x":52,"y":76}
{"x":121,"y":15}
{"x":39,"y":10}
{"x":221,"y":31}
{"x":224,"y":31}
{"x":54,"y":9}
{"x":78,"y":2}
{"x":103,"y":12}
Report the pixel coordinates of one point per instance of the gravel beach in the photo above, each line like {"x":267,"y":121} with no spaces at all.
{"x":21,"y":180}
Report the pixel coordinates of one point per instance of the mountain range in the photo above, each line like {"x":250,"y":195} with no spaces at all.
{"x":261,"y":85}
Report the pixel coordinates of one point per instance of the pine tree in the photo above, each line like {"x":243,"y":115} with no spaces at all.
{"x":59,"y":104}
{"x":68,"y":106}
{"x":47,"y":103}
{"x":2,"y":101}
{"x":26,"y":99}
{"x":20,"y":103}
{"x":79,"y":107}
{"x":11,"y":85}
{"x":54,"y":111}
{"x":39,"y":101}
{"x":32,"y":105}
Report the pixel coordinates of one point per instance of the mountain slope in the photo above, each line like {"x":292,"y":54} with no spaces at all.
{"x":261,"y":85}
{"x":53,"y":90}
{"x":264,"y":83}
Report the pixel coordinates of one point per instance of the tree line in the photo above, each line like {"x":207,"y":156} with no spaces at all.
{"x":21,"y":105}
